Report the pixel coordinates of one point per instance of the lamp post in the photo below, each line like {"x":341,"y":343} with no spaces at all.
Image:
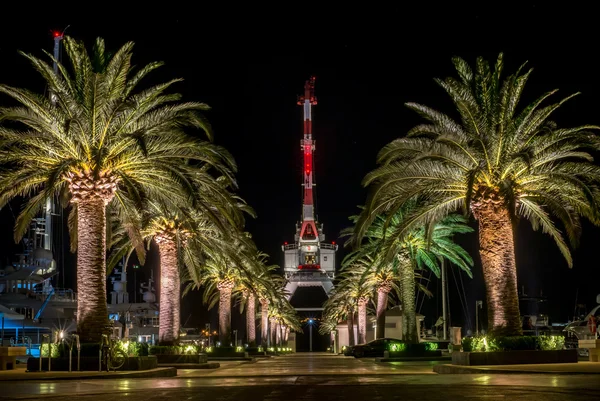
{"x":135,"y":290}
{"x":310,"y":324}
{"x":478,"y":305}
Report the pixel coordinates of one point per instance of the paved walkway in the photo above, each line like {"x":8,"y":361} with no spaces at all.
{"x":306,"y":364}
{"x":266,"y":378}
{"x":549,"y":368}
{"x":20,"y":373}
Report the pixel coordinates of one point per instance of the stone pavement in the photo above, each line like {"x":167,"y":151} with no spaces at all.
{"x":314,"y":376}
{"x":549,"y":368}
{"x":20,"y":374}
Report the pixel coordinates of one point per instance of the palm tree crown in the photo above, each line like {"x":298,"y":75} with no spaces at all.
{"x":101,"y":141}
{"x":499,"y":162}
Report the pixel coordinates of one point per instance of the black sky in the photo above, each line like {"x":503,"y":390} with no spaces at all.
{"x":250,"y":62}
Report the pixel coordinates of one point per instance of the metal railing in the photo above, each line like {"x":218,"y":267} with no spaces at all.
{"x":25,"y":341}
{"x":323,"y":245}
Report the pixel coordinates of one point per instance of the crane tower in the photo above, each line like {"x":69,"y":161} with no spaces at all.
{"x":309,"y":261}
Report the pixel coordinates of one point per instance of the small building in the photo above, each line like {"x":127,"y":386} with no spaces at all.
{"x":393,"y":328}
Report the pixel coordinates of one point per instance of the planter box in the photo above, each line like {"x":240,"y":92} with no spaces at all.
{"x":593,"y":347}
{"x":90,"y":363}
{"x":416,"y":353}
{"x":514,"y":357}
{"x":196,"y":359}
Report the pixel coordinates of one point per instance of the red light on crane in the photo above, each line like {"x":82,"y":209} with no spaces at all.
{"x":332,"y":242}
{"x":285,"y":243}
{"x":56,"y":34}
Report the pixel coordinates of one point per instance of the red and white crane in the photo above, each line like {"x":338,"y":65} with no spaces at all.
{"x":309,"y":261}
{"x":308,"y":231}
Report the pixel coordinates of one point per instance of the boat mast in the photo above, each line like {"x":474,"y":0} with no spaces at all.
{"x":444,"y":313}
{"x":49,"y":211}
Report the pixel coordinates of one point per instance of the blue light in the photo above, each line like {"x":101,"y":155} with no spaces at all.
{"x":310,"y":321}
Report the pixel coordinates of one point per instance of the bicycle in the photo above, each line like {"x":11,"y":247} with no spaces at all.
{"x":113,"y":357}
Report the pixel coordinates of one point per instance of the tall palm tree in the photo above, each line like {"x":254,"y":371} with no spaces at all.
{"x":354,"y":285}
{"x":103,"y":143}
{"x":419,"y":249}
{"x":249,"y":290}
{"x":340,"y":307}
{"x":182,"y":236}
{"x":219,"y":274}
{"x":498,"y":162}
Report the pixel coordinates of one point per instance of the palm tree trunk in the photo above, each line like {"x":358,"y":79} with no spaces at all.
{"x":409,"y":312}
{"x":92,"y":313}
{"x":382,"y":301}
{"x":264,"y":321}
{"x":225,"y":287}
{"x":170,"y":296}
{"x":251,"y":319}
{"x":362,"y":320}
{"x":350,"y":323}
{"x":273,"y":339}
{"x":497,"y":251}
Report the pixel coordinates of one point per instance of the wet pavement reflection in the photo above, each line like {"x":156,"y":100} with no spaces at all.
{"x":302,"y":371}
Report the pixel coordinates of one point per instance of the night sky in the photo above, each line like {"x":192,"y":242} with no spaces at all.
{"x":249,"y":64}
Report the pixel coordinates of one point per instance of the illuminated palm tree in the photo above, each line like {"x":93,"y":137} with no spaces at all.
{"x":419,"y":249}
{"x":340,"y":307}
{"x":182,"y":237}
{"x":103,"y":142}
{"x":220,"y":271}
{"x":249,"y":289}
{"x":498,"y":162}
{"x":354,"y":285}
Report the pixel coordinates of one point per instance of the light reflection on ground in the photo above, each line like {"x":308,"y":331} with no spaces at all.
{"x":299,"y":370}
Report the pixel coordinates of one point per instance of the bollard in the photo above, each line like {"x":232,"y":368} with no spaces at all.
{"x":70,"y":357}
{"x":41,"y":344}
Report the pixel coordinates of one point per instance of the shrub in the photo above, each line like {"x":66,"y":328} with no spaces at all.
{"x":188,"y":349}
{"x":512,"y":343}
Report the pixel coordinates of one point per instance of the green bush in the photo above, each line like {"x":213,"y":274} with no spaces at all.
{"x":547,"y":343}
{"x":190,"y":349}
{"x":512,"y":343}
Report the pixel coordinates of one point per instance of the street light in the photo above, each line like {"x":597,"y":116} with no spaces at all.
{"x":310,"y":325}
{"x":135,"y":290}
{"x":478,"y":305}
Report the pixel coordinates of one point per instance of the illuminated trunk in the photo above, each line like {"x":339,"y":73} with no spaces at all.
{"x":497,"y":251}
{"x":170,"y":296}
{"x":225,"y":288}
{"x":250,"y":319}
{"x":362,"y":320}
{"x":264,"y":322}
{"x":409,"y":310}
{"x":280,"y":334}
{"x":382,"y":301}
{"x":92,"y":313}
{"x":350,"y":323}
{"x":273,"y":325}
{"x":286,"y":335}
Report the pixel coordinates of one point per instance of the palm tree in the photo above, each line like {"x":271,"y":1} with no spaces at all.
{"x":181,"y":235}
{"x":103,"y":143}
{"x":340,"y":307}
{"x":221,"y":270}
{"x":496,"y":162}
{"x":269,"y":292}
{"x":354,"y":285}
{"x":418,"y":250}
{"x":249,"y":290}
